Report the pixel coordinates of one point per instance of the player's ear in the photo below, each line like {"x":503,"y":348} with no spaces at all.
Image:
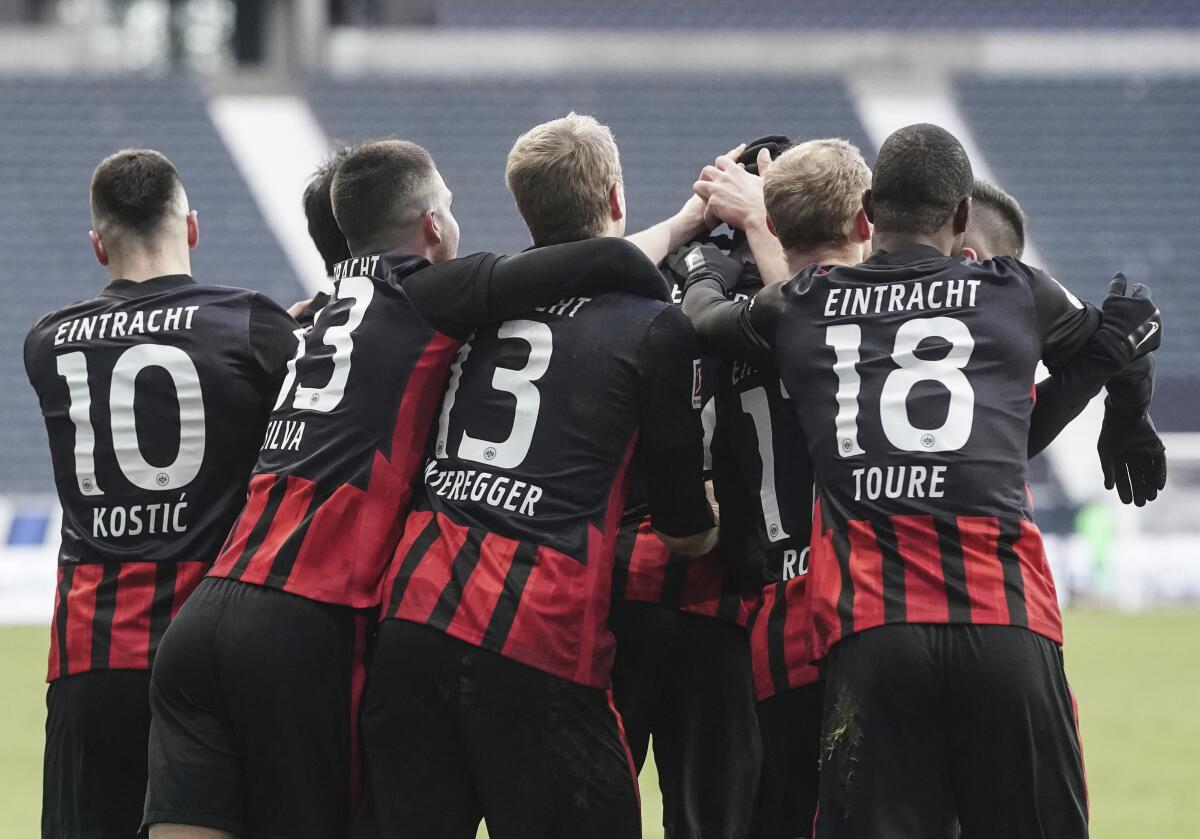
{"x":193,"y":229}
{"x":771,"y":226}
{"x":862,"y":224}
{"x":98,"y":248}
{"x":970,"y":253}
{"x":616,"y":201}
{"x":962,"y":216}
{"x":430,"y":227}
{"x":868,"y":202}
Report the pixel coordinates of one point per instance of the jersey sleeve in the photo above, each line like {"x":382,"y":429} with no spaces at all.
{"x":464,"y":294}
{"x":1064,"y":322}
{"x":671,"y":436}
{"x":272,"y":340}
{"x":742,"y":330}
{"x":1064,"y":394}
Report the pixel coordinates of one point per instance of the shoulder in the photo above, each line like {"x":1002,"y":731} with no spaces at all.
{"x":1005,"y":269}
{"x":50,"y":321}
{"x":229,"y":295}
{"x":1040,"y":284}
{"x":665,"y":325}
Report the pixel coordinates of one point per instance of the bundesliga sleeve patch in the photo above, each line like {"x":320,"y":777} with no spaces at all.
{"x":697,"y":381}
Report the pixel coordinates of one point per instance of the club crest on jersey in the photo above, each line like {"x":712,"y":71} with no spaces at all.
{"x":697,"y":381}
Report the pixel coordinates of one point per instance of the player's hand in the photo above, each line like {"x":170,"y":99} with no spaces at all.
{"x":1132,"y":324}
{"x":1132,"y":457}
{"x":297,"y":308}
{"x":734,"y":195}
{"x":694,"y":215}
{"x":704,"y":261}
{"x":710,"y":492}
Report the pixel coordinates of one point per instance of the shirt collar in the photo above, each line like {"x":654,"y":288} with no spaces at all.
{"x":380,"y":265}
{"x":906,"y":255}
{"x":126,"y":289}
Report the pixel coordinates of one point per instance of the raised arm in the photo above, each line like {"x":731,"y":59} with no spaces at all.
{"x":1116,"y":355}
{"x":735,"y":196}
{"x":727,"y":329}
{"x":463,"y":294}
{"x":672,"y":233}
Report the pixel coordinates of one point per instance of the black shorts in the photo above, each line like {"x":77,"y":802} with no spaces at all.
{"x":94,"y":775}
{"x":254,"y":700}
{"x":455,"y":734}
{"x":925,"y":722}
{"x":685,"y":680}
{"x":790,"y":725}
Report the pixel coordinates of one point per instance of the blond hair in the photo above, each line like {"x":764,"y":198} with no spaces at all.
{"x":813,"y":192}
{"x":560,"y":174}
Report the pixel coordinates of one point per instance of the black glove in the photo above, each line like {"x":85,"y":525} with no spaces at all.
{"x":699,"y":261}
{"x":1131,"y":325}
{"x":1132,"y":456}
{"x":777,"y":144}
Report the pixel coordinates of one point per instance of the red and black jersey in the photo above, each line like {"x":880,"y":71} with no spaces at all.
{"x":912,"y":376}
{"x":346,"y":440}
{"x":764,"y":483}
{"x":155,"y":395}
{"x":511,"y":546}
{"x":646,"y":570}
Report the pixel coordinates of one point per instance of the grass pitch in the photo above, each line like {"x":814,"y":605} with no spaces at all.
{"x":1137,"y":679}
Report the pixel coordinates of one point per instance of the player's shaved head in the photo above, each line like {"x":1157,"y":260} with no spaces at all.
{"x":997,"y":225}
{"x":380,"y":191}
{"x":318,"y":209}
{"x":921,"y":176}
{"x":134,"y":193}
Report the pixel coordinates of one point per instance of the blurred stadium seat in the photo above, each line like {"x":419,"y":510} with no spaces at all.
{"x":1101,"y":167}
{"x":817,"y":14}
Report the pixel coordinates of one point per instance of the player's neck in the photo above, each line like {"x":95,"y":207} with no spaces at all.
{"x":140,"y":267}
{"x":848,"y":254}
{"x":942,"y":241}
{"x":409,"y":246}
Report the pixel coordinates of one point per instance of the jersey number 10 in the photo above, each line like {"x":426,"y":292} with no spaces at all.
{"x":73,"y":367}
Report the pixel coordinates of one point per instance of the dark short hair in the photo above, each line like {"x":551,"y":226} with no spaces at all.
{"x":132,"y":191}
{"x":999,"y":219}
{"x":318,"y":209}
{"x":381,"y":187}
{"x":920,"y":176}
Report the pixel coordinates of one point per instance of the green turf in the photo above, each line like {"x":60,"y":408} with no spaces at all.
{"x":1137,"y":678}
{"x":22,"y":721}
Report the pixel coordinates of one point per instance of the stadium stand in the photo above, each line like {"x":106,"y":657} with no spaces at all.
{"x":1098,"y":163}
{"x":470,"y":125}
{"x":1102,"y":167}
{"x":55,"y":132}
{"x":818,"y":14}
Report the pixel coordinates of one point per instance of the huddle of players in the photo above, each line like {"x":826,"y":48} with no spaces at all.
{"x":449,"y":448}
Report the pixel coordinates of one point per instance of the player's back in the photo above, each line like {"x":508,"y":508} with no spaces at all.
{"x":913,"y":377}
{"x":343,"y":442}
{"x":155,"y":395}
{"x":512,"y":545}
